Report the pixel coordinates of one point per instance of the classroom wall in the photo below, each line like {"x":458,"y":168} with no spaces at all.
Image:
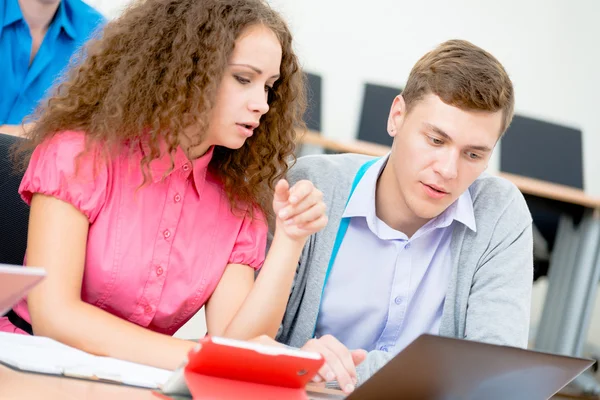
{"x":549,"y":48}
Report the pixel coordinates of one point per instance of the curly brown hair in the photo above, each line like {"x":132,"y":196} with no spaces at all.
{"x":156,"y":69}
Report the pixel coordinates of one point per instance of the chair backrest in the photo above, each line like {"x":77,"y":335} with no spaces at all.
{"x":14,"y":213}
{"x":543,"y":150}
{"x":376,"y":104}
{"x":550,"y":152}
{"x":312,"y":116}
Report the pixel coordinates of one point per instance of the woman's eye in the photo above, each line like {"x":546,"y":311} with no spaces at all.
{"x":242,"y":80}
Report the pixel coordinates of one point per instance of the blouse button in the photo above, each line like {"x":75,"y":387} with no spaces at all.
{"x":148,"y":309}
{"x":167,"y":234}
{"x":186,"y":167}
{"x":159,"y":271}
{"x":177,"y":198}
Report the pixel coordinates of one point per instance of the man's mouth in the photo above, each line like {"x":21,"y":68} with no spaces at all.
{"x":437,"y":188}
{"x":434,"y":192}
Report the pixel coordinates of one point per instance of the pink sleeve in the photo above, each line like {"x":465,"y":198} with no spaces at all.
{"x":251,"y":242}
{"x":52,"y":169}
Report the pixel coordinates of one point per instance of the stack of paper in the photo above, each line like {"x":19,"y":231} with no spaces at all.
{"x":44,"y":355}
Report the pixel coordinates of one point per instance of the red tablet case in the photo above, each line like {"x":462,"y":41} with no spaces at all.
{"x":229,"y":370}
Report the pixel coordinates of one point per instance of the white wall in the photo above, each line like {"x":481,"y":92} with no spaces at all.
{"x":549,"y":48}
{"x":110,"y":8}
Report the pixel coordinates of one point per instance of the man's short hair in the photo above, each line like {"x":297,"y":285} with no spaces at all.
{"x":464,"y":76}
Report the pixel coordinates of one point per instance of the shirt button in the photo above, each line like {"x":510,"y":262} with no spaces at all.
{"x":384,"y":348}
{"x":407,"y":246}
{"x":167,"y":234}
{"x":186,"y":167}
{"x":159,"y":271}
{"x":398,"y":300}
{"x":148,"y":309}
{"x":177,"y":198}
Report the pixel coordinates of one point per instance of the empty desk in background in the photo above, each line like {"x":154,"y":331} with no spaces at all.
{"x":554,"y":153}
{"x":574,"y":265}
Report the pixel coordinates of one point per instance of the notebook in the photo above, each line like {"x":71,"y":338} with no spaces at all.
{"x":44,"y":355}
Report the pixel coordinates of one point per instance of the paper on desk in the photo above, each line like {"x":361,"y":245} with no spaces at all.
{"x":44,"y":355}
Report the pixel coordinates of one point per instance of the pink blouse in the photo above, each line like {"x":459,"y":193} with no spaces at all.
{"x":156,"y":253}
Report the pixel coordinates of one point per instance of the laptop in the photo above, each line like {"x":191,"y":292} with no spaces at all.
{"x":15,"y":282}
{"x":440,"y":368}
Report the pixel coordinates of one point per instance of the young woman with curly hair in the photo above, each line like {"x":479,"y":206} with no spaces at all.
{"x":154,"y":169}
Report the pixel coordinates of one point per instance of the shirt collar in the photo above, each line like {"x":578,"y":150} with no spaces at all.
{"x":362,"y":202}
{"x":62,"y":20}
{"x":464,"y":212}
{"x":12,"y":13}
{"x":160,"y":167}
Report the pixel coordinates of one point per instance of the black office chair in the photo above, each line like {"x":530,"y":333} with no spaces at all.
{"x":376,"y":104}
{"x":312,"y":116}
{"x":549,"y":152}
{"x":14,"y":213}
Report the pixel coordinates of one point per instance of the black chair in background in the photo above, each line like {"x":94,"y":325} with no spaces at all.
{"x":14,"y":213}
{"x":550,"y":152}
{"x":376,"y":104}
{"x":312,"y":116}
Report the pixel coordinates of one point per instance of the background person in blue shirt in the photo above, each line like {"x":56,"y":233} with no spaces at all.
{"x":37,"y":39}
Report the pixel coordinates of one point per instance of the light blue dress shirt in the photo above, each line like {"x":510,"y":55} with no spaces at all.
{"x":24,"y":85}
{"x":384,"y":289}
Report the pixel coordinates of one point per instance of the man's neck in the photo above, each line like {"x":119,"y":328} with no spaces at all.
{"x":391,"y":207}
{"x":38,"y":14}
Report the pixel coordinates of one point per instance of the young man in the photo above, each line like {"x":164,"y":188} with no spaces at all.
{"x":419,"y":241}
{"x":37,"y":39}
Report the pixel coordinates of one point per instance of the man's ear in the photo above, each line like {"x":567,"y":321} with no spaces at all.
{"x":397,"y":112}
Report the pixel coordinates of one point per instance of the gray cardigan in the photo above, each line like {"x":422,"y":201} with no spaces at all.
{"x":489,"y":293}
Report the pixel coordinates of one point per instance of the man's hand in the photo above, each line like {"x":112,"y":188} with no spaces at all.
{"x":340,"y":363}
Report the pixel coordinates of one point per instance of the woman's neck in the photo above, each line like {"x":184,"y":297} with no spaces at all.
{"x":190,"y":145}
